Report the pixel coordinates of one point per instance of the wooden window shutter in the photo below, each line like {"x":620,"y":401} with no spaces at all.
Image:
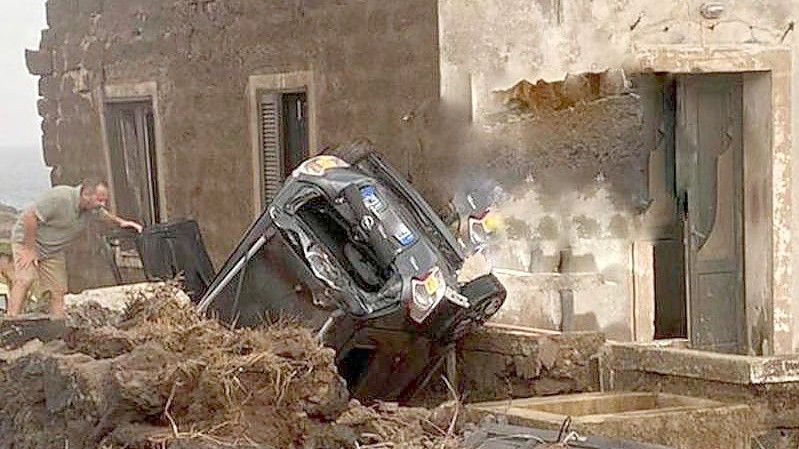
{"x":271,"y":154}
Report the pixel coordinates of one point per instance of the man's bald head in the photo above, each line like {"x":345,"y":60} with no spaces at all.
{"x":93,"y":193}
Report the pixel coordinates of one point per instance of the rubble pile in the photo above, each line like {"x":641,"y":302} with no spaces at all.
{"x":161,"y":376}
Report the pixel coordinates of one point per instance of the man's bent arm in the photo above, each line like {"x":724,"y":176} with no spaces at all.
{"x":111,"y":218}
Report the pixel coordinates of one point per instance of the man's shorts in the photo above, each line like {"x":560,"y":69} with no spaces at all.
{"x":51,"y":273}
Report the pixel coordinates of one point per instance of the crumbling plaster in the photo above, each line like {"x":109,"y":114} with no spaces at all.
{"x":548,"y":39}
{"x":489,"y":46}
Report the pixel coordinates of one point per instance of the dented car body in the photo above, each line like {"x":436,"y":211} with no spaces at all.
{"x":347,"y":246}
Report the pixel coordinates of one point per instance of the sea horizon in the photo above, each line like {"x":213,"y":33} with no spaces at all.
{"x":23,"y":175}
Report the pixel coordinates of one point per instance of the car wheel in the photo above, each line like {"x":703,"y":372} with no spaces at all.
{"x":486,"y":296}
{"x":490,"y":307}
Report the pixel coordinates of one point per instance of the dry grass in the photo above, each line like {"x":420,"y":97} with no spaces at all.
{"x":237,"y":386}
{"x":274,"y":386}
{"x":166,"y":377}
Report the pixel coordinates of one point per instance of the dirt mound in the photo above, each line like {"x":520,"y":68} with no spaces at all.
{"x":163,"y":376}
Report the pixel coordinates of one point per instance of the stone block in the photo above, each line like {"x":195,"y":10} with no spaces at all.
{"x":90,"y":6}
{"x":46,"y":108}
{"x":48,"y":87}
{"x":499,"y":362}
{"x":47,"y":38}
{"x":73,"y":379}
{"x":61,"y":12}
{"x":39,"y":62}
{"x":613,"y":82}
{"x":50,"y":150}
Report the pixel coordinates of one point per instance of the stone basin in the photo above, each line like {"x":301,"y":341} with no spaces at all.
{"x":672,"y":420}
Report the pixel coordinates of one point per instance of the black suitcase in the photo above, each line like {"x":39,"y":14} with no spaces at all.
{"x":166,"y":250}
{"x":176,"y":248}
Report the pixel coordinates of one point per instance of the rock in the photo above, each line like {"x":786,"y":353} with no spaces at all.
{"x":16,"y":332}
{"x":547,"y":352}
{"x":101,"y":343}
{"x":527,"y":367}
{"x":105,"y":306}
{"x":549,"y":387}
{"x":28,"y":348}
{"x":74,"y":385}
{"x":136,"y":377}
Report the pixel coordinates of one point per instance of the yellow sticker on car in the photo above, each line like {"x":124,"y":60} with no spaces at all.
{"x":431,"y":284}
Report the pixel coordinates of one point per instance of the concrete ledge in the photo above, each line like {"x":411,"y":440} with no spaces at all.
{"x":672,"y":420}
{"x":500,"y":361}
{"x":704,"y":365}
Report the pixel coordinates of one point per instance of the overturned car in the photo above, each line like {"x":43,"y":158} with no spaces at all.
{"x":351,"y":248}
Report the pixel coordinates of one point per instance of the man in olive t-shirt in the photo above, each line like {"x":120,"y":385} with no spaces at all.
{"x":45,"y":230}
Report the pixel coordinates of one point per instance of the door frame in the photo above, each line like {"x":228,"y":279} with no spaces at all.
{"x":767,"y":193}
{"x":149,"y":209}
{"x":282,"y":139}
{"x":123,"y":93}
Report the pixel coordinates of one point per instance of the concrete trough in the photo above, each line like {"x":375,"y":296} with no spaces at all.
{"x":769,"y":385}
{"x":671,"y":420}
{"x":503,"y":436}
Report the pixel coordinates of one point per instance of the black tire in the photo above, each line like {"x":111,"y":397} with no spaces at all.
{"x":352,"y":153}
{"x":486,"y":296}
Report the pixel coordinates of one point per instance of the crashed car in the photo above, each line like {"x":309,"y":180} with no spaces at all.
{"x":348,"y":240}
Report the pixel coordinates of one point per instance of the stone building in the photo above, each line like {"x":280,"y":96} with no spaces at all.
{"x":643,"y":150}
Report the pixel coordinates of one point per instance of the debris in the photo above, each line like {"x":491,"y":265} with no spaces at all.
{"x":160,"y":375}
{"x":26,"y":349}
{"x":105,"y":306}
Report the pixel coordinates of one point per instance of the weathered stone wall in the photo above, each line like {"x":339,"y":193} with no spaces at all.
{"x":575,"y":154}
{"x":373,"y":63}
{"x":594,"y":181}
{"x":496,"y":364}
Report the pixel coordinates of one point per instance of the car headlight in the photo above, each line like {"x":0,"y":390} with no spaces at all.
{"x":478,"y":234}
{"x":481,"y":227}
{"x":427,"y":290}
{"x":317,"y":166}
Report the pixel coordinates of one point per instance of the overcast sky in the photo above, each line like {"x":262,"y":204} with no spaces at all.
{"x":23,"y":175}
{"x":21,"y":23}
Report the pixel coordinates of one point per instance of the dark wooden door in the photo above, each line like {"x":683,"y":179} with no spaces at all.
{"x":131,"y":141}
{"x":709,"y":177}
